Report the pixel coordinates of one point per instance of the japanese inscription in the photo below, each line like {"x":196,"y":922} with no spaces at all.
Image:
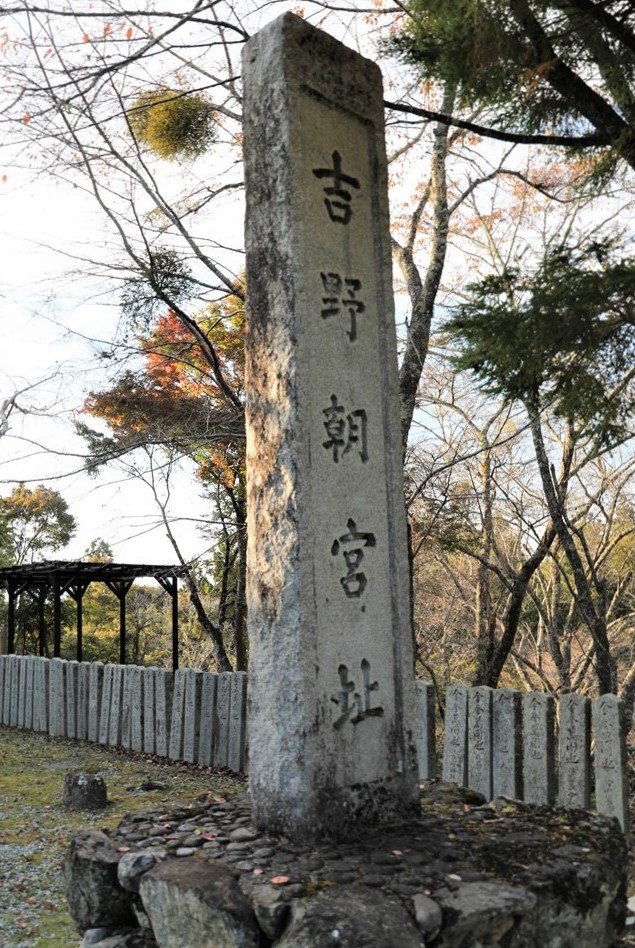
{"x":356,"y":705}
{"x":338,"y":199}
{"x":340,"y":296}
{"x":345,"y":430}
{"x":351,"y":545}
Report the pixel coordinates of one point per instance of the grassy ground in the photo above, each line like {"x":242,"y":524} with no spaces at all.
{"x":35,"y":826}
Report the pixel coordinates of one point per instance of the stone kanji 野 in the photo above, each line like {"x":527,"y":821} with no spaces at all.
{"x":338,"y":199}
{"x":345,"y":430}
{"x":351,"y":545}
{"x":355,"y":705}
{"x":340,"y":296}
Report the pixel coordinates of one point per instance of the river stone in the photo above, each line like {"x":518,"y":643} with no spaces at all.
{"x":194,"y":903}
{"x":354,"y":917}
{"x":85,"y":791}
{"x":94,"y":897}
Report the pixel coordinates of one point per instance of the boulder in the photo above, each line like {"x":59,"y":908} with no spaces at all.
{"x":95,"y":899}
{"x":85,"y":791}
{"x":354,"y":917}
{"x":194,"y":903}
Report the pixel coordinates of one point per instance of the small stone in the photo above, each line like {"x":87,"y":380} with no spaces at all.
{"x":183,"y":851}
{"x":242,"y":835}
{"x":85,"y":791}
{"x":428,"y":915}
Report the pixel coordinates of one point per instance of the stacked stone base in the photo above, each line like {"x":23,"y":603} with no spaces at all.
{"x":464,"y":873}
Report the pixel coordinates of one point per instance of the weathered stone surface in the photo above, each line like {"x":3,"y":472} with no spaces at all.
{"x":507,"y":744}
{"x":192,"y":903}
{"x":455,"y":735}
{"x":192,"y":722}
{"x":331,"y":708}
{"x":428,"y":915}
{"x":479,"y":739}
{"x":178,"y":715}
{"x":539,"y":774}
{"x":119,"y":938}
{"x":482,"y":913}
{"x":611,"y":779}
{"x":95,"y":898}
{"x":85,"y":791}
{"x":355,"y":918}
{"x":208,"y":707}
{"x":132,"y":866}
{"x":574,"y":758}
{"x":426,"y":730}
{"x":271,"y":909}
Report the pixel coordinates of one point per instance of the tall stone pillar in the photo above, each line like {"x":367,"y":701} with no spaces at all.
{"x":331,"y":686}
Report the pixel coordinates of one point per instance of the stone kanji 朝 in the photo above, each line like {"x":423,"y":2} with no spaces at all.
{"x":345,"y":430}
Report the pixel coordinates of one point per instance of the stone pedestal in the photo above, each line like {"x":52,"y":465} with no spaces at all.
{"x":331,"y":690}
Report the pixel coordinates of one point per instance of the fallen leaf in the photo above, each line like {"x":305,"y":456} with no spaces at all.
{"x":257,"y":871}
{"x":123,"y":849}
{"x":279,"y":880}
{"x":397,"y":852}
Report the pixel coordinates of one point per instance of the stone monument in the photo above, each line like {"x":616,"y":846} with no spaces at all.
{"x":331,"y":689}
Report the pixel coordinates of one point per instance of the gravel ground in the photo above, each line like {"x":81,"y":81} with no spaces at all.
{"x":35,"y":826}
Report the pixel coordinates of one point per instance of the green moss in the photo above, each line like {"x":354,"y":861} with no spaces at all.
{"x":36,"y":827}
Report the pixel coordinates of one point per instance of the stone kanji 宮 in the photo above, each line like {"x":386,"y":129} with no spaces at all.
{"x":345,"y":430}
{"x":340,"y":296}
{"x":338,"y":199}
{"x":351,"y":545}
{"x":355,"y":705}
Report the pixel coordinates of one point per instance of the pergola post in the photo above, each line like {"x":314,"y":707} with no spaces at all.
{"x":171,"y":585}
{"x":11,"y":589}
{"x":120,"y":589}
{"x":77,"y":590}
{"x":41,"y":623}
{"x":57,"y":617}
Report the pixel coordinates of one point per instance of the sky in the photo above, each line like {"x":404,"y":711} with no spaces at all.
{"x":51,"y":324}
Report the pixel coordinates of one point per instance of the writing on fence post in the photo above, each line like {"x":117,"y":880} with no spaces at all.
{"x":574,"y":740}
{"x":331,"y":690}
{"x":539,"y":748}
{"x":506,"y":744}
{"x":611,"y":779}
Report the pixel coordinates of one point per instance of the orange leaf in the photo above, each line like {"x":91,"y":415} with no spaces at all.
{"x":86,"y":38}
{"x":4,"y":179}
{"x":26,"y":118}
{"x":279,"y":880}
{"x":129,"y":32}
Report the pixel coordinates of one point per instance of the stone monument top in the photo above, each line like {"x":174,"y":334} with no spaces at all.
{"x":331,"y":690}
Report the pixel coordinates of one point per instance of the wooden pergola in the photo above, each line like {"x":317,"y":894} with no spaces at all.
{"x":58,"y":577}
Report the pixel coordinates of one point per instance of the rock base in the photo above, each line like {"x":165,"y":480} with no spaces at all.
{"x":464,"y":873}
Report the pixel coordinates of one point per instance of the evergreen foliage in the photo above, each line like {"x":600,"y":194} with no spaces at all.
{"x":565,"y":67}
{"x":563,"y":335}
